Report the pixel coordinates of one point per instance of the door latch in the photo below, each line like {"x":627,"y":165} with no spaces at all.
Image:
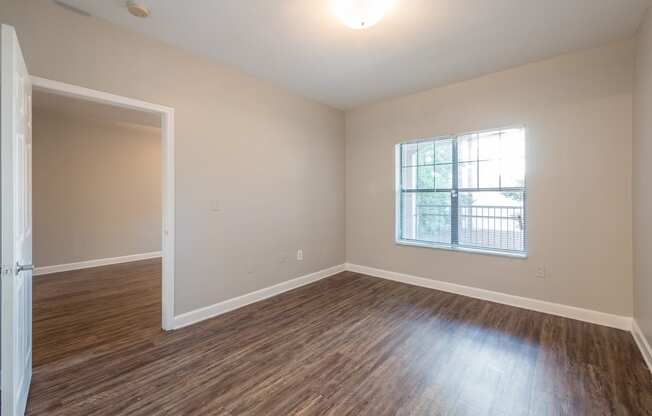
{"x":24,"y":267}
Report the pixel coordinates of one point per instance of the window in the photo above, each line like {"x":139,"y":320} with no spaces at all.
{"x":464,"y":192}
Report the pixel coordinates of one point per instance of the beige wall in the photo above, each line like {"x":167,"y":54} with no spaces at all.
{"x":578,"y":111}
{"x":96,"y":188}
{"x":274,"y":161}
{"x":642,"y":177}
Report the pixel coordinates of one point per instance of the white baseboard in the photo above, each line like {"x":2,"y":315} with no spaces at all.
{"x":39,"y":271}
{"x":207,"y":312}
{"x":587,"y":315}
{"x":642,"y":343}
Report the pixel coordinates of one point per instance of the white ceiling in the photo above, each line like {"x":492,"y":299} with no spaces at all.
{"x":420,"y":44}
{"x":76,"y":107}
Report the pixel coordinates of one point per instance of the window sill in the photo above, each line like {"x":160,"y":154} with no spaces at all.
{"x":462,"y":249}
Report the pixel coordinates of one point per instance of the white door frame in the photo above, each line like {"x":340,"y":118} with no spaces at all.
{"x":167,"y":135}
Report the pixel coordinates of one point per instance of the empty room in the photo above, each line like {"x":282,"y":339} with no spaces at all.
{"x":96,"y":186}
{"x":326,"y":207}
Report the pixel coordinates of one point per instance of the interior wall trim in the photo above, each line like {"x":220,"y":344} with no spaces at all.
{"x":642,"y":343}
{"x":41,"y":271}
{"x":228,"y":305}
{"x":580,"y":314}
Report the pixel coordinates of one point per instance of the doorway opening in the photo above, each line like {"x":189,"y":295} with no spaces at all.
{"x":131,"y":226}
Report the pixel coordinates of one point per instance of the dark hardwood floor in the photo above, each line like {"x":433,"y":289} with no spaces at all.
{"x":347,"y":345}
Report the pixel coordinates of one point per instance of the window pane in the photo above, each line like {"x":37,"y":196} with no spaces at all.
{"x":513,"y":173}
{"x":489,"y":145}
{"x":409,"y":178}
{"x":444,"y":176}
{"x":434,"y":198}
{"x":489,"y":174}
{"x":434,"y":225}
{"x":444,"y":151}
{"x":426,"y":153}
{"x":426,"y":177}
{"x":409,"y":154}
{"x":434,"y":217}
{"x":468,"y":175}
{"x":467,"y":148}
{"x":426,"y":216}
{"x":492,"y":220}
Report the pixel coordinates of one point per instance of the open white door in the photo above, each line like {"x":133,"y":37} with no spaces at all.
{"x":16,"y":213}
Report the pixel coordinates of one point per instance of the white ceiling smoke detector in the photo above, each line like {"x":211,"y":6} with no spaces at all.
{"x":137,"y":9}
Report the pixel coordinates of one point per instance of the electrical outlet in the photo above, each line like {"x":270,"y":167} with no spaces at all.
{"x":541,"y":272}
{"x":300,"y":255}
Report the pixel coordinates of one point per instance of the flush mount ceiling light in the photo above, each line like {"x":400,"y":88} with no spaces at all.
{"x":360,"y":14}
{"x":137,"y":9}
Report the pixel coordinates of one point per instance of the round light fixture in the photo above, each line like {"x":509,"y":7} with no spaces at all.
{"x":137,"y":9}
{"x":360,"y":14}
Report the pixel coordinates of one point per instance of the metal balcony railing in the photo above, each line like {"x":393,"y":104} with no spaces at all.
{"x":479,"y":226}
{"x":494,"y":227}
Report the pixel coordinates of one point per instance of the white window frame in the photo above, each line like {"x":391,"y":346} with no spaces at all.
{"x":456,"y":247}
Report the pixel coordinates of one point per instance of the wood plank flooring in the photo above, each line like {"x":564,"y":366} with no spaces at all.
{"x":347,"y":345}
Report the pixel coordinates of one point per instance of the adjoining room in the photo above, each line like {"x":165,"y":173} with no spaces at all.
{"x":96,"y":181}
